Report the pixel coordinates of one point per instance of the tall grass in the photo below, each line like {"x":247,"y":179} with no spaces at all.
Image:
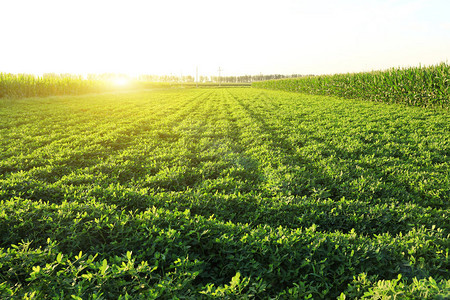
{"x":418,"y":86}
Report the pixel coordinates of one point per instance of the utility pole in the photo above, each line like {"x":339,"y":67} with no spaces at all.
{"x":196,"y":76}
{"x":220,"y":70}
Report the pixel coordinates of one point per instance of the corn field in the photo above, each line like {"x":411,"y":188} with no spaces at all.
{"x":416,"y":86}
{"x":28,"y":85}
{"x":25,"y":85}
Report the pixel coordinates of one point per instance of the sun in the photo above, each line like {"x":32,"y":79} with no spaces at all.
{"x":120,"y":81}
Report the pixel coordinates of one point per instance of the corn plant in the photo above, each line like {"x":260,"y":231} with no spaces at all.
{"x":26,"y":85}
{"x":416,"y":86}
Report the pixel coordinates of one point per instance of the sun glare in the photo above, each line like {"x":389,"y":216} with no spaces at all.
{"x":120,"y":81}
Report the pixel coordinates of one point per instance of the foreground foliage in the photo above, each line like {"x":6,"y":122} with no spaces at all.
{"x":222,"y":193}
{"x":417,"y":86}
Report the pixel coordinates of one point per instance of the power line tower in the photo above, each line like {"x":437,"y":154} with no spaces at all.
{"x":220,"y":70}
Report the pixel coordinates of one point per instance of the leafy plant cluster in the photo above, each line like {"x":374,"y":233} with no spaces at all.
{"x":222,"y":193}
{"x":416,"y":86}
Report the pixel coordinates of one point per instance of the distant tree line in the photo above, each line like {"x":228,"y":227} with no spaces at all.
{"x":224,"y":79}
{"x":251,"y":78}
{"x":167,"y":78}
{"x":190,"y":78}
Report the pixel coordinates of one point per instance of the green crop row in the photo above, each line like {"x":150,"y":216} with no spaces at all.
{"x":417,"y":86}
{"x":197,"y":254}
{"x":222,"y":193}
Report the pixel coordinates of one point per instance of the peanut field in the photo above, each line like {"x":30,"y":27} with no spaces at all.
{"x":223,"y":193}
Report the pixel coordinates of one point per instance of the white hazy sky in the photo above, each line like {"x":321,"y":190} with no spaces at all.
{"x":241,"y":36}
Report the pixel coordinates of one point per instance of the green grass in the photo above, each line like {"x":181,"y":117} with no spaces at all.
{"x":416,"y":86}
{"x":222,"y":193}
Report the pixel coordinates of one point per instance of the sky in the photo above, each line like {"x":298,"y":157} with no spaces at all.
{"x":239,"y":36}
